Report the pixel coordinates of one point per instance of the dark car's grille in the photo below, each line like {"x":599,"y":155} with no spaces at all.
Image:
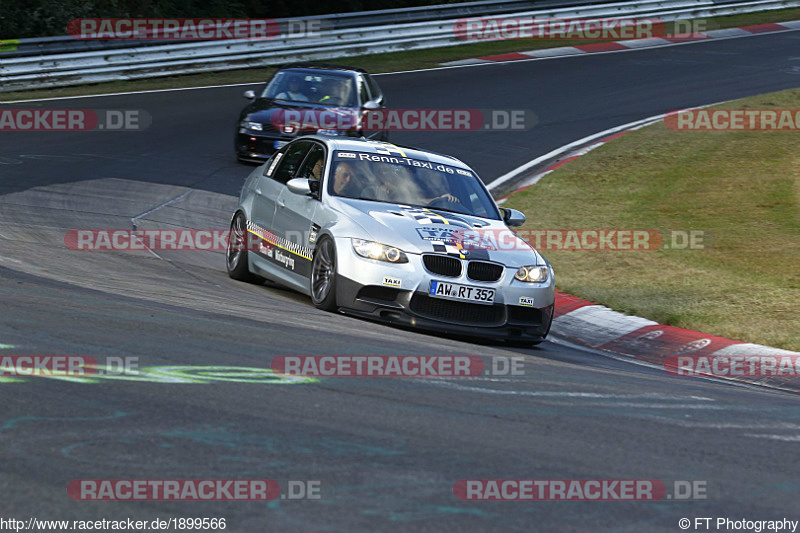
{"x":457,"y":312}
{"x":442,"y":265}
{"x":480,"y":271}
{"x":268,"y":127}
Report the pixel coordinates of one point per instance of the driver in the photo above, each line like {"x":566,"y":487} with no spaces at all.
{"x":293,"y":94}
{"x":345,"y":180}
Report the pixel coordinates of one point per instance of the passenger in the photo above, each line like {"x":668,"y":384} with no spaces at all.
{"x":335,"y":92}
{"x":316,"y":170}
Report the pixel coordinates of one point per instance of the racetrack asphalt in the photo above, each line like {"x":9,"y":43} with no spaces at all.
{"x":387,"y":451}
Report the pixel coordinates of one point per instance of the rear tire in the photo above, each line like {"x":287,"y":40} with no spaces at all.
{"x":236,"y":255}
{"x":323,"y":275}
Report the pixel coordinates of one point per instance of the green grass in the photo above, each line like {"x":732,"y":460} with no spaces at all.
{"x":389,"y":62}
{"x":741,"y":188}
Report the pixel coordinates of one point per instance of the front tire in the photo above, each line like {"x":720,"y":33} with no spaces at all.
{"x":236,"y":255}
{"x":323,"y":275}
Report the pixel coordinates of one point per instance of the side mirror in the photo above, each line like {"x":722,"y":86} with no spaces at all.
{"x":371,"y":105}
{"x":300,"y":186}
{"x":512,"y":217}
{"x":250,"y":95}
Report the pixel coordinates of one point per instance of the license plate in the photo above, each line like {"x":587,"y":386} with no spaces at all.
{"x":280,"y":144}
{"x":464,"y":293}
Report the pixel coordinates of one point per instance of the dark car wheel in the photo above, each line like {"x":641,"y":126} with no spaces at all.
{"x":236,"y":256}
{"x":323,"y":275}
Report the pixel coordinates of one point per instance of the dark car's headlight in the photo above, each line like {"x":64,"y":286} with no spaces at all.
{"x":255,"y":126}
{"x":379,"y":252}
{"x":533,"y":273}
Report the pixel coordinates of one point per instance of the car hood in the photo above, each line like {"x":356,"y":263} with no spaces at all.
{"x":429,"y":230}
{"x":263,"y":109}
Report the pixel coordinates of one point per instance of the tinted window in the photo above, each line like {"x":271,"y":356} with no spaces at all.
{"x":291,"y":86}
{"x":363,"y":94}
{"x":337,"y":91}
{"x":294,"y":155}
{"x":273,"y":162}
{"x":314,"y":164}
{"x":373,"y":88}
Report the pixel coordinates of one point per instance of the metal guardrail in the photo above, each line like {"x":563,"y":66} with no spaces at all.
{"x":66,"y":44}
{"x":160,"y":59}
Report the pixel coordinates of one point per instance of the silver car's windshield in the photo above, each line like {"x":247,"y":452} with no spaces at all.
{"x":402,"y":180}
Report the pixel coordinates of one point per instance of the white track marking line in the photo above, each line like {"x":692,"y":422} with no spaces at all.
{"x":567,"y":394}
{"x":785,"y":438}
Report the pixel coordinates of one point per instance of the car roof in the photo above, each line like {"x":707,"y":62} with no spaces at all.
{"x":385,"y":148}
{"x":322,"y":66}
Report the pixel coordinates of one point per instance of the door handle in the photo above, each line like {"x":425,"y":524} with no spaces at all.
{"x":281,"y":203}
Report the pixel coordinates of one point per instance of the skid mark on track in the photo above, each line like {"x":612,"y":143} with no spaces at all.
{"x":238,"y":452}
{"x":159,"y":206}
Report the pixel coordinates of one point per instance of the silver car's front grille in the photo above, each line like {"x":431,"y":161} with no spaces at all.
{"x":480,"y":271}
{"x":457,"y":312}
{"x":442,"y":265}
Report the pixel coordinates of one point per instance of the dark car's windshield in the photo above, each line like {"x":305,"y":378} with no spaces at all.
{"x":402,"y":180}
{"x":312,"y":87}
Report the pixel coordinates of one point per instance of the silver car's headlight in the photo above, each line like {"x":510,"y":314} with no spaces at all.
{"x":255,"y":126}
{"x":379,"y":252}
{"x":533,"y":273}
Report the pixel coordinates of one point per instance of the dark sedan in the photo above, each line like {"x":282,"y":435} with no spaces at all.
{"x":331,"y":93}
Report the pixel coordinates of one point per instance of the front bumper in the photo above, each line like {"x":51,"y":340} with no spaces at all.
{"x":362,"y":290}
{"x":258,"y":147}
